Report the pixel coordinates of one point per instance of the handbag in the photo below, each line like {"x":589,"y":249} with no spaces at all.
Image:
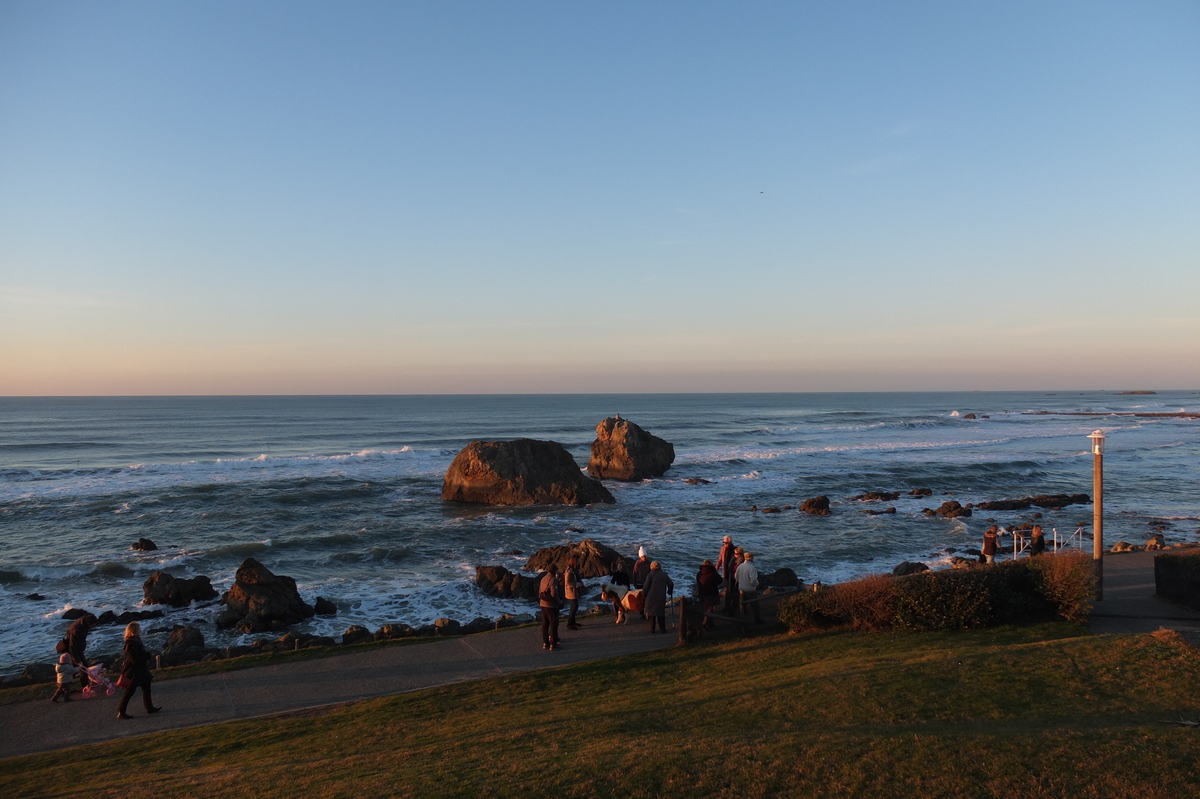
{"x":61,"y":646}
{"x":124,"y":681}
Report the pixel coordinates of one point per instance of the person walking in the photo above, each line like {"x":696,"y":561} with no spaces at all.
{"x":990,"y":537}
{"x":550,"y":599}
{"x":572,"y":585}
{"x":658,"y":585}
{"x":135,"y":671}
{"x":64,"y":673}
{"x":76,"y":639}
{"x":708,"y":590}
{"x":747,"y":580}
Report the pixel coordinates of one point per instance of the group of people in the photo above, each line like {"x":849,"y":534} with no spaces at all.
{"x":646,"y":587}
{"x":991,"y":543}
{"x":135,"y":665}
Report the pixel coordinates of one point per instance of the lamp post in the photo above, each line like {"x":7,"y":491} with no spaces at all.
{"x":1097,"y":439}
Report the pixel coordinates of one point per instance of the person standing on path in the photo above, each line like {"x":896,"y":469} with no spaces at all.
{"x":990,"y":537}
{"x":641,"y":570}
{"x":725,"y":566}
{"x":747,"y":580}
{"x":135,"y":671}
{"x":64,"y":674}
{"x":1037,"y":541}
{"x":572,"y":585}
{"x":550,"y":599}
{"x":731,"y":589}
{"x":76,"y":639}
{"x":708,"y":590}
{"x":658,"y":585}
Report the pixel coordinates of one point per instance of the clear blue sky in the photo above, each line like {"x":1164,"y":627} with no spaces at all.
{"x":398,"y":197}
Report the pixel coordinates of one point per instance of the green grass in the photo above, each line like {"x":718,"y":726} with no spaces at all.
{"x":1014,"y":712}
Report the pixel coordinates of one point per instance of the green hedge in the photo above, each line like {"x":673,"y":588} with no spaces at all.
{"x":1032,"y":589}
{"x":1177,"y":577}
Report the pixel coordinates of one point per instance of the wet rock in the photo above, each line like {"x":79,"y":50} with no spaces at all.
{"x":921,"y":492}
{"x":163,"y":589}
{"x":39,"y":673}
{"x":392,"y":631}
{"x":771,"y":509}
{"x":447,"y":627}
{"x":70,"y":614}
{"x":1156,"y":542}
{"x":520,"y":472}
{"x":263,"y":598}
{"x":478,"y":625}
{"x":624,"y":451}
{"x":595,"y":559}
{"x":815,"y":506}
{"x":324,"y":607}
{"x":144,"y":545}
{"x":948,"y":510}
{"x":906,"y":568}
{"x":877,"y":496}
{"x":357,"y":635}
{"x":780,"y":578}
{"x":697,"y":481}
{"x":183,"y":644}
{"x":499,"y":582}
{"x":35,"y":597}
{"x":1123,"y":546}
{"x":870,"y":512}
{"x":969,"y":416}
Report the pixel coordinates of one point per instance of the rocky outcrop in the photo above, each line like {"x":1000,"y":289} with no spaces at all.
{"x":183,"y":644}
{"x":1123,"y":546}
{"x":1041,"y":501}
{"x":144,"y":545}
{"x":781,"y":578}
{"x":595,"y":559}
{"x":1156,"y":542}
{"x":948,"y":510}
{"x":624,"y":451}
{"x":816,"y":506}
{"x":324,"y":607}
{"x":877,"y":496}
{"x":163,"y":589}
{"x":906,"y":568}
{"x":884,"y":511}
{"x":357,"y":635}
{"x":262,"y":600}
{"x":921,"y":492}
{"x":499,"y":582}
{"x":520,"y":472}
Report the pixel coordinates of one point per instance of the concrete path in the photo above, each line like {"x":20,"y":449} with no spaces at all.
{"x":267,"y":690}
{"x":1130,"y":605}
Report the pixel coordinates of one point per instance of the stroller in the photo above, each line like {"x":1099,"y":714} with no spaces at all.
{"x":97,"y":682}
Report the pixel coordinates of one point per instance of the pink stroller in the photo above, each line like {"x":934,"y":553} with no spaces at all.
{"x":97,"y":682}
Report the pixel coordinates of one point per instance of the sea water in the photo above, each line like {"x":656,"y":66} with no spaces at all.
{"x":343,"y":493}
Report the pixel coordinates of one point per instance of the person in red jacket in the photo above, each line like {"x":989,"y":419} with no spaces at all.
{"x":550,"y":599}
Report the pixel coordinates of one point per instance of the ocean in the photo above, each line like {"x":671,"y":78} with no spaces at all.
{"x":343,"y":493}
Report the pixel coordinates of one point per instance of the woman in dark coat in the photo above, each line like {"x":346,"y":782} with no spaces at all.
{"x":135,"y":670}
{"x":708,"y":590}
{"x":655,"y":591}
{"x":76,"y":639}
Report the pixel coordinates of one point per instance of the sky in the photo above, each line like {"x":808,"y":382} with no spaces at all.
{"x":526,"y":197}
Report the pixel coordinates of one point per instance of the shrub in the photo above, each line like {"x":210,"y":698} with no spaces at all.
{"x":868,"y":604}
{"x":1067,"y":583}
{"x":945,"y":600}
{"x":802,"y":613}
{"x":1177,"y":577}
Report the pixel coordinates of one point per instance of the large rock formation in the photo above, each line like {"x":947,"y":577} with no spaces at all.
{"x":261,"y":600}
{"x":595,"y":559}
{"x":815,"y":506}
{"x":948,"y":510}
{"x":498,"y":581}
{"x":520,"y":472}
{"x":624,"y":451}
{"x":183,"y":644}
{"x":163,"y":589}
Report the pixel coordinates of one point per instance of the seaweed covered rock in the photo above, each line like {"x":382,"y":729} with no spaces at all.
{"x":520,"y":472}
{"x":624,"y":451}
{"x":816,"y":506}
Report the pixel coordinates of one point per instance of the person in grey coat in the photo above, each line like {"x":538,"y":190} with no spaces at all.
{"x":655,"y":590}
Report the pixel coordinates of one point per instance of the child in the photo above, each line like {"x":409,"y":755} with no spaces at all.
{"x":66,"y":671}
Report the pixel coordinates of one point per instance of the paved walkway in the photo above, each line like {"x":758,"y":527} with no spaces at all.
{"x":1129,"y":604}
{"x":284,"y":687}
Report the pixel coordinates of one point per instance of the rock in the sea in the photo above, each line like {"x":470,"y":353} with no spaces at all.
{"x":624,"y":451}
{"x":595,"y":559}
{"x":1004,"y":504}
{"x":906,"y":568}
{"x":499,"y":582}
{"x":1123,"y":546}
{"x":887,"y":510}
{"x":697,"y":481}
{"x":781,"y":578}
{"x":70,"y":614}
{"x":391,"y":631}
{"x":877,"y":496}
{"x":324,"y":607}
{"x":816,"y":506}
{"x":520,"y":472}
{"x":1156,"y":542}
{"x":144,"y":545}
{"x":163,"y":589}
{"x":948,"y":510}
{"x":263,"y":599}
{"x":921,"y":492}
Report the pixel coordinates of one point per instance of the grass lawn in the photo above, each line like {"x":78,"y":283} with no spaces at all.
{"x":1031,"y":711}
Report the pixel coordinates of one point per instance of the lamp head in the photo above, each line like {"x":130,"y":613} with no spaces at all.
{"x":1097,"y":438}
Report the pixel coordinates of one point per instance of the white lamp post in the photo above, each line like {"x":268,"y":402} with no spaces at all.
{"x":1097,"y":439}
